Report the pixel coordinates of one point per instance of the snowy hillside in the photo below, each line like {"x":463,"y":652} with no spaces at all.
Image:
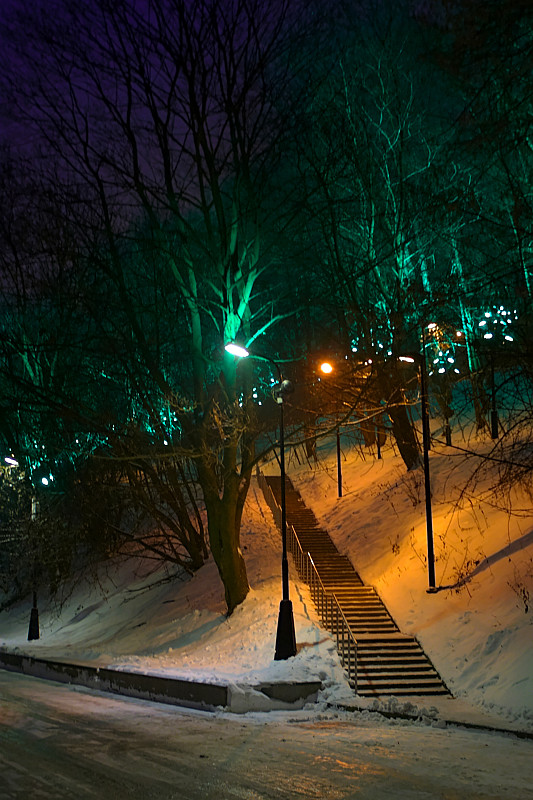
{"x":478,"y":627}
{"x":475,"y":628}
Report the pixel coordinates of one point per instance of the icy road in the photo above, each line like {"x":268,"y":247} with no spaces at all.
{"x":60,"y":742}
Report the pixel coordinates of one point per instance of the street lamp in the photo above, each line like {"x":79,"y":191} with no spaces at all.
{"x":33,"y":628}
{"x":285,"y":636}
{"x":421,"y":360}
{"x":327,"y":369}
{"x":493,"y":410}
{"x":488,"y":351}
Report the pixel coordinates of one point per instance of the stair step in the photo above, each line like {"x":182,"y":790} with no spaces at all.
{"x":401,"y":649}
{"x":360,"y":628}
{"x":392,"y":660}
{"x":360,"y":604}
{"x":374,"y":614}
{"x":402,"y":638}
{"x":422,"y":668}
{"x":390,"y":655}
{"x":364,"y":591}
{"x":394,"y":691}
{"x":407,"y":681}
{"x":375,"y":648}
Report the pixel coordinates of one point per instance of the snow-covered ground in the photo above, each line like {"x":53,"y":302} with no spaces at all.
{"x":478,"y":627}
{"x":178,"y":628}
{"x":476,"y":631}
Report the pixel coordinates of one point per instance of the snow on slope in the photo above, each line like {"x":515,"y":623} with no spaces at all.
{"x":179,"y":628}
{"x":477,"y":633}
{"x":475,"y":628}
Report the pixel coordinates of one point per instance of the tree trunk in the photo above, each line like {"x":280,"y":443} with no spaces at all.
{"x":402,"y":429}
{"x":404,"y":435}
{"x":224,"y":539}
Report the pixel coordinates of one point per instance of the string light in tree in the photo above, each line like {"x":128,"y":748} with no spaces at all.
{"x":497,"y":324}
{"x":441,"y":346}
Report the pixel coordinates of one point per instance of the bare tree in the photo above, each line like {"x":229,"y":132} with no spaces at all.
{"x":160,"y":129}
{"x":371,"y":156}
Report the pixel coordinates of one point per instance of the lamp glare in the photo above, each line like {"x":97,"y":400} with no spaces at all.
{"x":236,"y":350}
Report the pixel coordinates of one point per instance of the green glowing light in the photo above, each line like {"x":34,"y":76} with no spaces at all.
{"x":236,"y":350}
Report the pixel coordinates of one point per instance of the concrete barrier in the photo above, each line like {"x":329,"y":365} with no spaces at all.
{"x":175,"y":691}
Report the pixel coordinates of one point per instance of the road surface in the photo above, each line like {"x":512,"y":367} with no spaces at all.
{"x":62,"y":742}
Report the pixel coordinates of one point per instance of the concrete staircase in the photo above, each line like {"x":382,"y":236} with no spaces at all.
{"x":387,"y":661}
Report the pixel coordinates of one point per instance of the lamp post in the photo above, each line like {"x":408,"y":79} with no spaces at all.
{"x":487,"y":350}
{"x":327,"y":369}
{"x":427,"y":484}
{"x":493,"y":410}
{"x":285,"y":635}
{"x":33,"y":628}
{"x":421,"y":360}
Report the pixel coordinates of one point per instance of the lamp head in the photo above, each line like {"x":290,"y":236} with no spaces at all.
{"x":236,"y":350}
{"x":282,"y":390}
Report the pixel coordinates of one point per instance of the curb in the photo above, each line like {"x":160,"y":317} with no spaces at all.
{"x":235,"y":698}
{"x":437,"y":722}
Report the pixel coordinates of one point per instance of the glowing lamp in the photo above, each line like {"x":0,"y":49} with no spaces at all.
{"x":326,"y":368}
{"x":236,"y":350}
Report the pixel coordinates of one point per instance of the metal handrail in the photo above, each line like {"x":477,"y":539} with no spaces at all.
{"x":335,"y":621}
{"x":325,"y":602}
{"x":270,"y":499}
